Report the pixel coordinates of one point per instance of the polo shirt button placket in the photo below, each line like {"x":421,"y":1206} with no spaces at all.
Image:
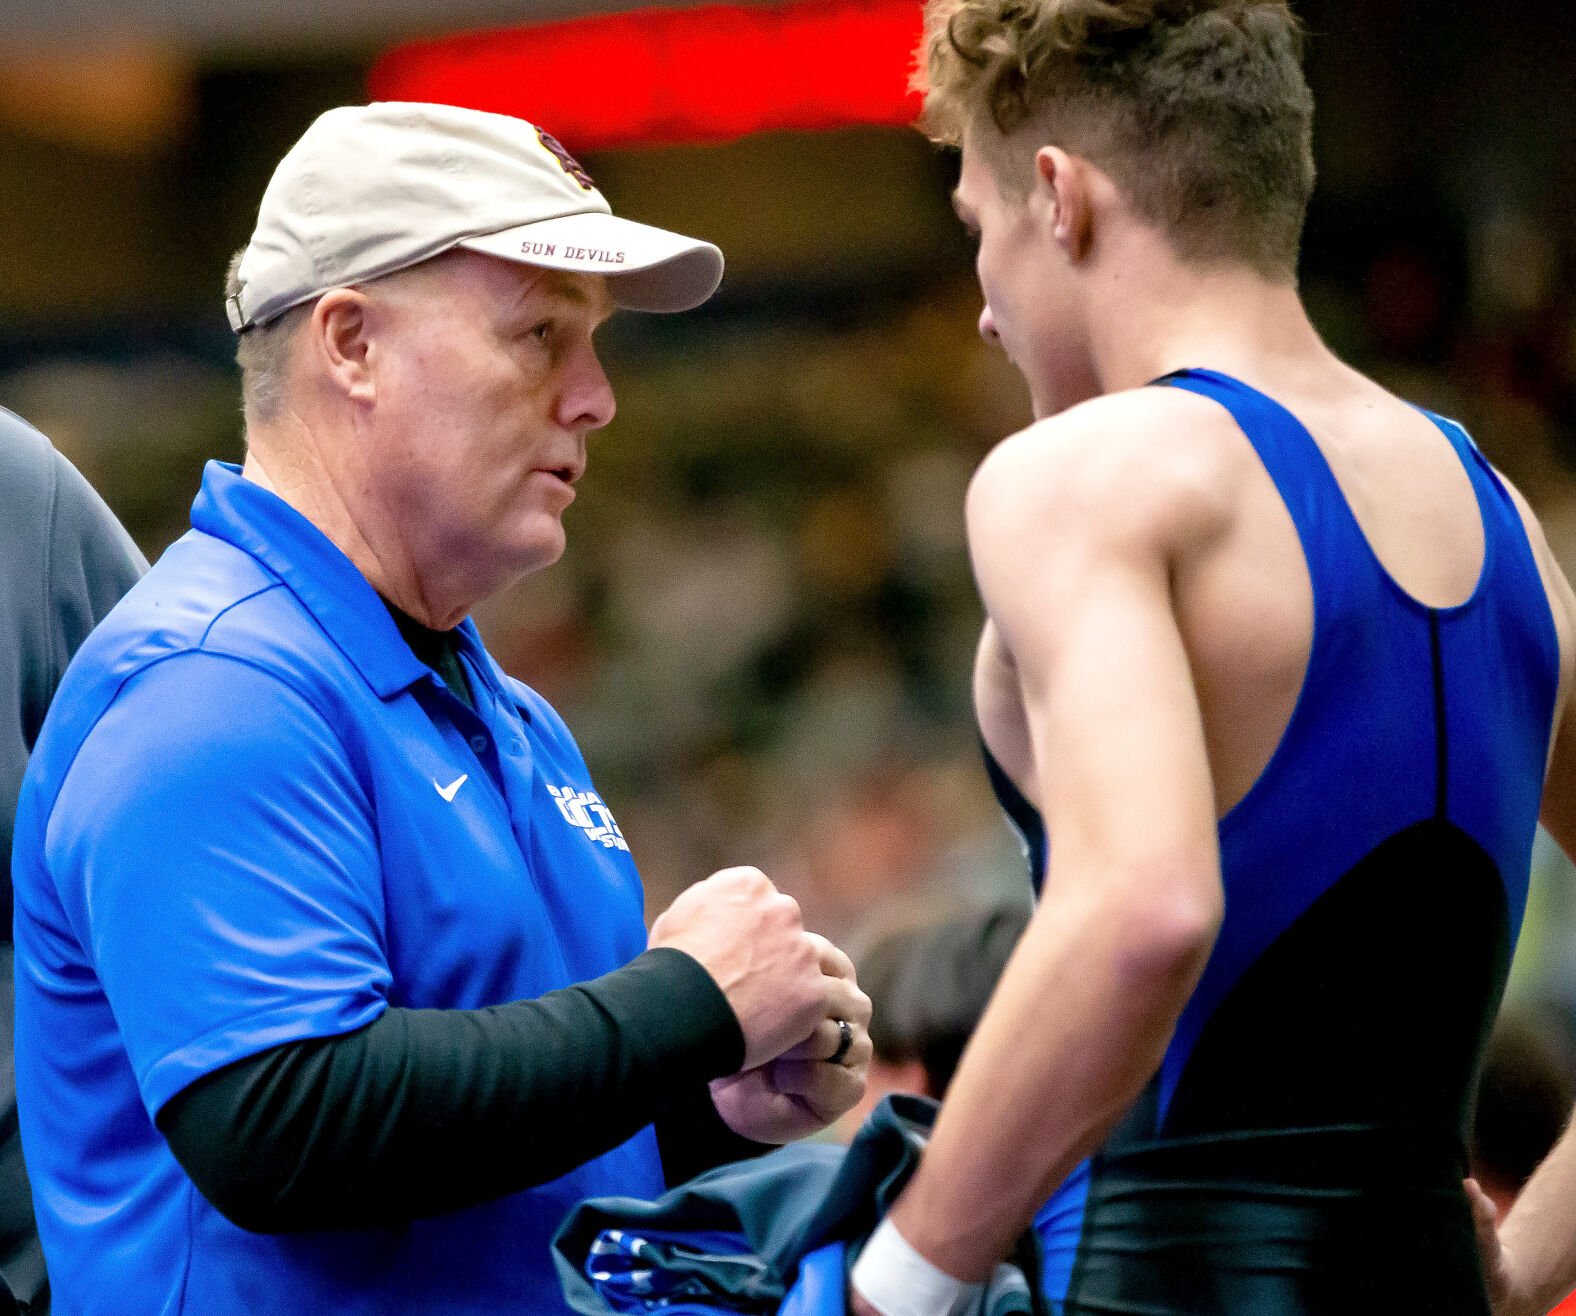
{"x":479,"y":744}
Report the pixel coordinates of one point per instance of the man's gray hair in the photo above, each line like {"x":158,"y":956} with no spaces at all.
{"x":263,"y":353}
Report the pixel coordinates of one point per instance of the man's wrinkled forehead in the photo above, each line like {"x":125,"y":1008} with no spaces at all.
{"x":589,"y":293}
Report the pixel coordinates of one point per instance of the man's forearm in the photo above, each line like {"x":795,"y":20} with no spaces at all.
{"x":1077,"y":1026}
{"x":426,"y":1111}
{"x":1539,"y":1234}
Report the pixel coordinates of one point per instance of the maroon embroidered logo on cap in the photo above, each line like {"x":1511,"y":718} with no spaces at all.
{"x":572,"y":167}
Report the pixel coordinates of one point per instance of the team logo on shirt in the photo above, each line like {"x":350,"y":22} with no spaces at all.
{"x":585,"y":810}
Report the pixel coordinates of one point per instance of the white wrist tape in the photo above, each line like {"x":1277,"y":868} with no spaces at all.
{"x":894,"y":1279}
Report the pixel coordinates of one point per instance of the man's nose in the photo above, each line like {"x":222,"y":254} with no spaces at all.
{"x":587,"y":403}
{"x":988,"y":326}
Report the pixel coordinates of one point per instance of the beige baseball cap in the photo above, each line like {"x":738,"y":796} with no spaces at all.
{"x":370,"y":189}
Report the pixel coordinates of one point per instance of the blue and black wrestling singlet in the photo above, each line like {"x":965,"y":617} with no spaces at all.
{"x":1301,"y":1149}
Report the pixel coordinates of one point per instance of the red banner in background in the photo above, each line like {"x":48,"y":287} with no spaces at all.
{"x":662,"y":77}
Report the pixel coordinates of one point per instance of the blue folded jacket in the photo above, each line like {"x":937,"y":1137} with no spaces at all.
{"x":771,"y":1235}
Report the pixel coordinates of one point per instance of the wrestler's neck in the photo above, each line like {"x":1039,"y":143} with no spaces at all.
{"x":291,"y":458}
{"x":1162,"y":314}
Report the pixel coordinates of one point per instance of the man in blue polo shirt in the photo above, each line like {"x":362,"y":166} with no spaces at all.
{"x":333,"y":989}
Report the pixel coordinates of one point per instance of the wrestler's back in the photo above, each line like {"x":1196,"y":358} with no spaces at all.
{"x":1344,"y":1004}
{"x":1246,"y":607}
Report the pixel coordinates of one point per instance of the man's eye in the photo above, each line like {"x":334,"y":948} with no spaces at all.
{"x":542,"y":332}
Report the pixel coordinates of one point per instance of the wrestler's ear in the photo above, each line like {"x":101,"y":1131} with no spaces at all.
{"x":1063,"y":190}
{"x":341,"y":331}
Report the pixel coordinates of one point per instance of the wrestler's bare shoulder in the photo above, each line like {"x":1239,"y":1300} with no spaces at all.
{"x":1153,"y":462}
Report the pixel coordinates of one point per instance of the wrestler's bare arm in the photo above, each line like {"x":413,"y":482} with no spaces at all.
{"x":1531,"y":1263}
{"x":1074,"y":533}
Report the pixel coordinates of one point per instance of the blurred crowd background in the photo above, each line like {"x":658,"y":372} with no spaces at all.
{"x":763,"y":629}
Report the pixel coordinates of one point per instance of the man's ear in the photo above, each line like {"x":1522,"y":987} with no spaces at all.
{"x":341,"y":340}
{"x":1064,"y":185}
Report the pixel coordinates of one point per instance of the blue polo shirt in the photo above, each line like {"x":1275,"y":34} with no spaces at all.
{"x":253,"y":817}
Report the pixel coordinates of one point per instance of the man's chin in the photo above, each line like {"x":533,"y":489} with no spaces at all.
{"x":541,"y":547}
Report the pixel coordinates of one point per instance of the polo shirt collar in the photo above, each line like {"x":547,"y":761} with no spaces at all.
{"x":314,"y":569}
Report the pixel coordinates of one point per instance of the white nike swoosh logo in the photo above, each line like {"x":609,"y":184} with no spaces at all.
{"x":453,"y":788}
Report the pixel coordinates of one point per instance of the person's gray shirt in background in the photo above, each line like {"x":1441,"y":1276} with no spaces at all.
{"x":65,"y":561}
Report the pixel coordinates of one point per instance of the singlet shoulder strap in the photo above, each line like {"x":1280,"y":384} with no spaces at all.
{"x":1493,"y":497}
{"x":1509,"y":559}
{"x":1333,"y":544}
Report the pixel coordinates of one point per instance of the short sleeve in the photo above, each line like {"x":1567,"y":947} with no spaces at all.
{"x":218,"y":859}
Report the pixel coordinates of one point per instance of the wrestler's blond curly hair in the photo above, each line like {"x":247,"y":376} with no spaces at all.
{"x":1198,"y":109}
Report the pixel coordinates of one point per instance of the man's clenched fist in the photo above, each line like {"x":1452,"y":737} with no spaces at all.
{"x":795,"y":998}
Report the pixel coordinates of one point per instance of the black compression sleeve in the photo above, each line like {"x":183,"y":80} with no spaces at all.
{"x":426,"y":1111}
{"x":693,"y":1138}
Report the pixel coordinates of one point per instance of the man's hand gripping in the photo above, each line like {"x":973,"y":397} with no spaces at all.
{"x":805,"y":1021}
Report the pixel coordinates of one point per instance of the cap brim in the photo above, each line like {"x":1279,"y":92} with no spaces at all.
{"x":648,"y":269}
